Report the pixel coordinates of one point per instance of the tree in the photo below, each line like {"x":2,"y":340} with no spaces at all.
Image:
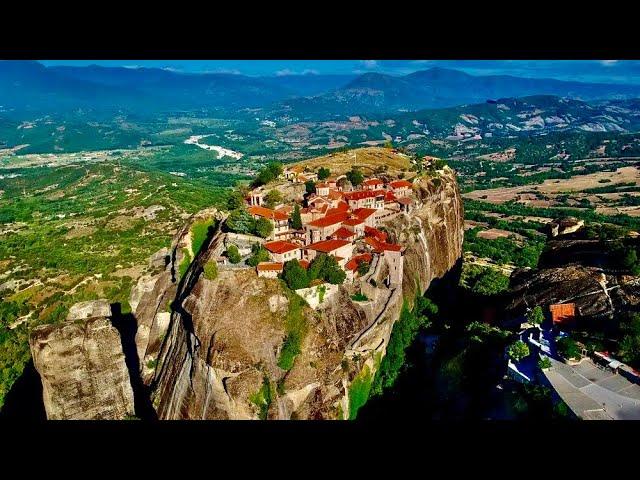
{"x":363,"y":268}
{"x":233,"y":254}
{"x":263,"y":227}
{"x":310,"y":186}
{"x":294,"y":275}
{"x":355,"y":177}
{"x":268,"y":174}
{"x":258,"y":254}
{"x":490,"y":282}
{"x":325,"y":267}
{"x":296,"y":218}
{"x":323,"y":173}
{"x":273,"y":198}
{"x":535,"y":315}
{"x":240,"y":221}
{"x":518,"y":350}
{"x":235,"y":200}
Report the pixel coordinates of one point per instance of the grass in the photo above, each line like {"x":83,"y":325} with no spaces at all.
{"x":262,"y":398}
{"x":199,"y":234}
{"x":211,"y":270}
{"x":359,"y":297}
{"x":186,"y":261}
{"x":296,"y":326}
{"x":359,"y":391}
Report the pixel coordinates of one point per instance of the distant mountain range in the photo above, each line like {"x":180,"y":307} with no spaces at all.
{"x":438,"y":88}
{"x":26,"y":85}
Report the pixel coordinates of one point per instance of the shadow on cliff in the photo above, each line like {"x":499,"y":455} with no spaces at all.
{"x":24,"y":401}
{"x":127,"y":326}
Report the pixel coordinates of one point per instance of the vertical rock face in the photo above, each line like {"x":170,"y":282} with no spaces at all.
{"x":225,"y":336}
{"x":82,"y":366}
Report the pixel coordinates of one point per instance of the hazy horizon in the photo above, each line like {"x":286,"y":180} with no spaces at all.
{"x":601,"y":71}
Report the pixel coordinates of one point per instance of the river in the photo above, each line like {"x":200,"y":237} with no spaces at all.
{"x":221,"y":151}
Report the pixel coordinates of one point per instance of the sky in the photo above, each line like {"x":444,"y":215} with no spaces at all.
{"x":607,"y":71}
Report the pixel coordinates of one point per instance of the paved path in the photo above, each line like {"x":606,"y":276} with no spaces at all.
{"x":594,"y":393}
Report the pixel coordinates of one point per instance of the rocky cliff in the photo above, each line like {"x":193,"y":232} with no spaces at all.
{"x":82,"y":366}
{"x":219,"y":359}
{"x":211,"y":348}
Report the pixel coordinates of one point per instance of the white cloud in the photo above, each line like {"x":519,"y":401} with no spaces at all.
{"x":608,"y":63}
{"x":285,"y":72}
{"x":310,"y":71}
{"x":370,"y":63}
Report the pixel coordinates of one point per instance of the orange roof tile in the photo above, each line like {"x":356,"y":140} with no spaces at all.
{"x":400,"y":184}
{"x":360,"y":194}
{"x":327,"y":246}
{"x":364,"y":213}
{"x":343,"y":233}
{"x":372,"y":181}
{"x":375,"y":233}
{"x":281,"y":246}
{"x":352,"y":222}
{"x":379,"y":246}
{"x":357,"y":260}
{"x":304,"y":263}
{"x":335,"y":194}
{"x":329,"y":220}
{"x":267,"y":213}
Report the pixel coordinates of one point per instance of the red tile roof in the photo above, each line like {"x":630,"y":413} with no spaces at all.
{"x":327,"y":246}
{"x":281,"y":246}
{"x":400,"y":184}
{"x":405,"y":201}
{"x":352,"y":222}
{"x":364,"y":213}
{"x":389,"y":196}
{"x":341,"y":207}
{"x":269,"y":267}
{"x":375,"y":233}
{"x":304,"y":263}
{"x":343,"y":233}
{"x":322,"y":185}
{"x":360,"y":194}
{"x":357,"y":260}
{"x":379,"y":246}
{"x":372,"y":181}
{"x":329,"y":220}
{"x":267,"y":213}
{"x":334,"y":194}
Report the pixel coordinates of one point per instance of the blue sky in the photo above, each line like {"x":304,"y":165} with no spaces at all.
{"x":609,"y":71}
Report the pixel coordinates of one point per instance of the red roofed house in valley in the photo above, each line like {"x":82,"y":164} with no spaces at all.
{"x":365,"y":199}
{"x":279,"y":220}
{"x":324,"y":227}
{"x":338,"y":248}
{"x":401,"y":188}
{"x":269,"y":269}
{"x":282,"y":251}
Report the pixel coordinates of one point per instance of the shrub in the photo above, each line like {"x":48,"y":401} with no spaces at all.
{"x":568,"y":348}
{"x":359,"y":297}
{"x":363,"y":268}
{"x":296,"y":218}
{"x":273,"y":198}
{"x":233,"y":254}
{"x":535,"y":316}
{"x":211,"y":270}
{"x":259,"y":254}
{"x":355,"y":176}
{"x":296,"y":328}
{"x":359,"y":391}
{"x":518,"y":350}
{"x":240,"y":221}
{"x":544,"y":362}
